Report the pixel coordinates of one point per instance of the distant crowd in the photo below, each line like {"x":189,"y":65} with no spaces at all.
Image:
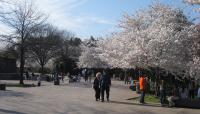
{"x":102,"y":83}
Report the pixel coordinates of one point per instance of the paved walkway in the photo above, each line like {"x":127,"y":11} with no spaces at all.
{"x":76,"y":98}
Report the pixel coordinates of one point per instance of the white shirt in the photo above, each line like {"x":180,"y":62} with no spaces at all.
{"x":39,"y":79}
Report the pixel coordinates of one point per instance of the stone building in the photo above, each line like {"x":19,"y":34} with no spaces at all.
{"x":8,"y":69}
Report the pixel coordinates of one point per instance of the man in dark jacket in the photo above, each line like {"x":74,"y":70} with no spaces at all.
{"x":105,"y":86}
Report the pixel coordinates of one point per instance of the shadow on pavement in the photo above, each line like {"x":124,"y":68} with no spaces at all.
{"x":11,"y":93}
{"x":151,"y":105}
{"x":119,"y":86}
{"x":128,"y":103}
{"x":80,"y":85}
{"x":10,"y":112}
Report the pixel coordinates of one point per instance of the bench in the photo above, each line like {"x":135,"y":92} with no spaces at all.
{"x":187,"y":103}
{"x":3,"y":87}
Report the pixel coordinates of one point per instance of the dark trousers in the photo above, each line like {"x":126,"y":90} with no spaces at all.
{"x":126,"y":82}
{"x":39,"y":83}
{"x":86,"y":78}
{"x":97,"y":93}
{"x":191,"y":94}
{"x":142,"y":96}
{"x":107,"y":89}
{"x":162,"y":96}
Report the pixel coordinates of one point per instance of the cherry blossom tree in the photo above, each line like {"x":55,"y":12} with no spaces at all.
{"x":193,"y":1}
{"x":160,"y":36}
{"x":112,"y":51}
{"x":90,"y":56}
{"x":194,"y":64}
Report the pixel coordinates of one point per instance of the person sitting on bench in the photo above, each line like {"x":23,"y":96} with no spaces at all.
{"x":184,"y":93}
{"x":174,"y":97}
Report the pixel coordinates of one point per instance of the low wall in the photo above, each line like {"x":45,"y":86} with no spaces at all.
{"x":9,"y":76}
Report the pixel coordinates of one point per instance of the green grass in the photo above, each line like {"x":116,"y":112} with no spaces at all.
{"x":152,"y":99}
{"x":20,"y":85}
{"x":148,"y":98}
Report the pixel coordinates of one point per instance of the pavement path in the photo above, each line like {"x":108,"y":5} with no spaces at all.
{"x":76,"y":98}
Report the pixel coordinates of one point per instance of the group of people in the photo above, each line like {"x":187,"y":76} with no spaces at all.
{"x":183,"y":93}
{"x":101,"y":84}
{"x":178,"y":92}
{"x":32,"y":76}
{"x":27,"y":76}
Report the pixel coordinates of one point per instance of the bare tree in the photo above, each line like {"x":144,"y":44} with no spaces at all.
{"x":23,"y":18}
{"x":44,"y":44}
{"x":69,"y":52}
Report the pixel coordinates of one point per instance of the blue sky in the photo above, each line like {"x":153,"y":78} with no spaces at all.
{"x":98,"y":18}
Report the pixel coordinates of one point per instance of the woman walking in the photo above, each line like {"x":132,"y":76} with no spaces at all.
{"x":96,"y":86}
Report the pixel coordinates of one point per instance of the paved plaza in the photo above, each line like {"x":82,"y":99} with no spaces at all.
{"x":76,"y":98}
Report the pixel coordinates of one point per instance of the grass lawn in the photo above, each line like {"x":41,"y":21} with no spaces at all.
{"x":152,"y":99}
{"x":148,"y":98}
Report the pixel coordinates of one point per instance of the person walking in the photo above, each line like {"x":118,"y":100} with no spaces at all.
{"x":96,"y":86}
{"x":86,"y":78}
{"x":126,"y":79}
{"x":33,"y":75}
{"x":162,"y":92}
{"x":62,"y":77}
{"x":39,"y":80}
{"x":86,"y":75}
{"x":143,"y":83}
{"x":27,"y":75}
{"x":105,"y":86}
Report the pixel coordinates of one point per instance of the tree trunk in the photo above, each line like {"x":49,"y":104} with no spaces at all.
{"x":42,"y":68}
{"x":157,"y":88}
{"x":125,"y":75}
{"x":157,"y":82}
{"x":21,"y":65}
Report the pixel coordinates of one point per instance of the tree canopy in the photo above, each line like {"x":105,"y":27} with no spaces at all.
{"x":160,"y":36}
